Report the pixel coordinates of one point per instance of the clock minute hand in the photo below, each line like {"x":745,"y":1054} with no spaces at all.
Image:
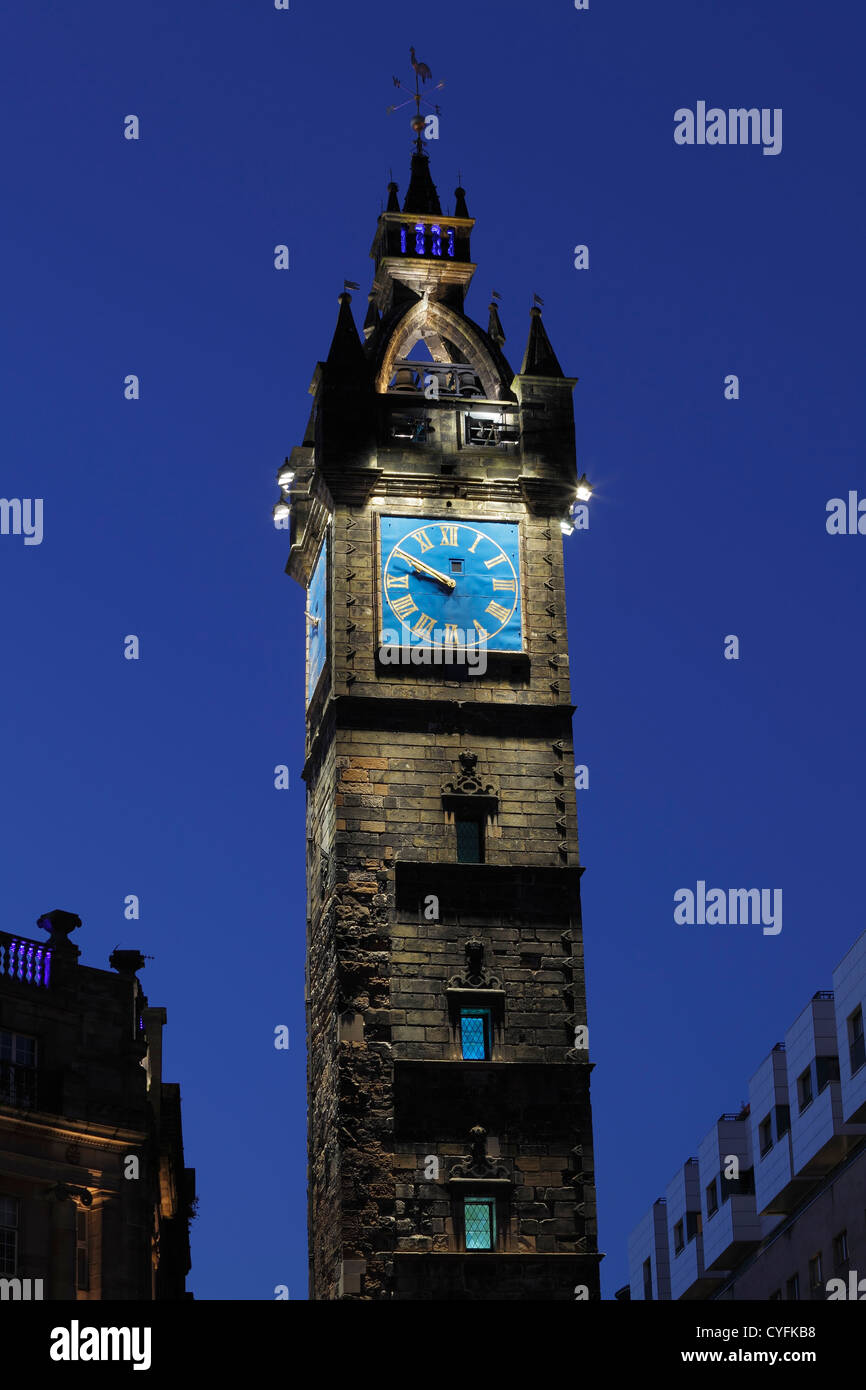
{"x":427,"y":569}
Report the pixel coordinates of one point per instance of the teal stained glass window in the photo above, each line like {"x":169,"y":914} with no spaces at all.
{"x":469,"y":841}
{"x":474,"y":1034}
{"x":479,"y":1220}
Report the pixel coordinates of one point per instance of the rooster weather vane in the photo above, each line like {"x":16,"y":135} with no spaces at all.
{"x":422,"y":76}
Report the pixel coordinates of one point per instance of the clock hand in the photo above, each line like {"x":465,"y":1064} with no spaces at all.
{"x":426,"y":569}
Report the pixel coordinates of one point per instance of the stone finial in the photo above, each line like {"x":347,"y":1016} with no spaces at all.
{"x":59,"y":924}
{"x":126,"y":962}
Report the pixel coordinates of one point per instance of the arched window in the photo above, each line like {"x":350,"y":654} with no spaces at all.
{"x":449,"y":232}
{"x":436,"y":239}
{"x":419,"y":238}
{"x":403,"y":241}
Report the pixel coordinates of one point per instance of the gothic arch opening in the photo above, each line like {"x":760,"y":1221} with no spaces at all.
{"x":448,"y":338}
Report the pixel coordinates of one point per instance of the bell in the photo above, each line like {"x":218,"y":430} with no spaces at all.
{"x":404,"y":380}
{"x":469,"y":384}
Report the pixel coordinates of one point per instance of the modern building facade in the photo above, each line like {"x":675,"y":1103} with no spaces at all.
{"x":450,"y":1136}
{"x":95,"y":1200}
{"x":773,"y":1206}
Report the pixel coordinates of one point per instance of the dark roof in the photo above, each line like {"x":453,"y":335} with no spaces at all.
{"x":421,"y":195}
{"x":371,"y":322}
{"x":346,"y":352}
{"x":539,"y":358}
{"x":495,"y":331}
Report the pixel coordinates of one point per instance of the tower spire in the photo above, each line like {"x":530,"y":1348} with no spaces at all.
{"x":421,"y":195}
{"x":494,"y":326}
{"x":539,"y":358}
{"x":346,"y":353}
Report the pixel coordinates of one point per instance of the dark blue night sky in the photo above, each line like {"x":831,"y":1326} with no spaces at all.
{"x":156,"y":258}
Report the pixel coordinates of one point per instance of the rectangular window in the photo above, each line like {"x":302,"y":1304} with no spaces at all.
{"x":816,"y":1271}
{"x":741,"y":1186}
{"x":470,"y":840}
{"x":793,"y":1288}
{"x":827,"y":1069}
{"x":804,"y":1089}
{"x":648,"y":1280}
{"x":475,"y":1035}
{"x":8,"y":1235}
{"x":856,"y":1043}
{"x":840,"y":1249}
{"x":17,"y":1070}
{"x":746,"y":1186}
{"x":411,"y":428}
{"x":481,"y":430}
{"x":783,"y":1120}
{"x":82,"y":1264}
{"x":765,"y":1136}
{"x":479,"y":1222}
{"x":694,"y":1224}
{"x":712,"y":1198}
{"x":679,"y":1239}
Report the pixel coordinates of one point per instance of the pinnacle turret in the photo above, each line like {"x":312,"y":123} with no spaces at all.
{"x":346,"y":353}
{"x":539,"y":358}
{"x":421,"y":195}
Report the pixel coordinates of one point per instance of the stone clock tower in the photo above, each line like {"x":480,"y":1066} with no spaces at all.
{"x":450,"y":1136}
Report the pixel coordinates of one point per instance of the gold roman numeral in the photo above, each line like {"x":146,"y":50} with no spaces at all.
{"x":451,"y":634}
{"x":499,"y":559}
{"x":474,"y":543}
{"x":509,"y":584}
{"x":482,"y":631}
{"x":424,"y":625}
{"x":400,"y":581}
{"x":497,"y":611}
{"x":449,"y":535}
{"x":404,"y":606}
{"x":423,"y":540}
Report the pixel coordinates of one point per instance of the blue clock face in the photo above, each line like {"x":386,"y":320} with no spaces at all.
{"x":317,"y":620}
{"x":450,"y":583}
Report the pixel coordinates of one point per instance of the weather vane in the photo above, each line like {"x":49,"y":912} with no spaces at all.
{"x":422,"y":75}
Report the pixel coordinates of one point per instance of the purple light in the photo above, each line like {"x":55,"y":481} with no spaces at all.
{"x":26,"y":961}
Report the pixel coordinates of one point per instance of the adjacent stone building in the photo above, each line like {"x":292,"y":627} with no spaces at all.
{"x":95,"y":1200}
{"x":773,"y":1205}
{"x":450,"y":1136}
